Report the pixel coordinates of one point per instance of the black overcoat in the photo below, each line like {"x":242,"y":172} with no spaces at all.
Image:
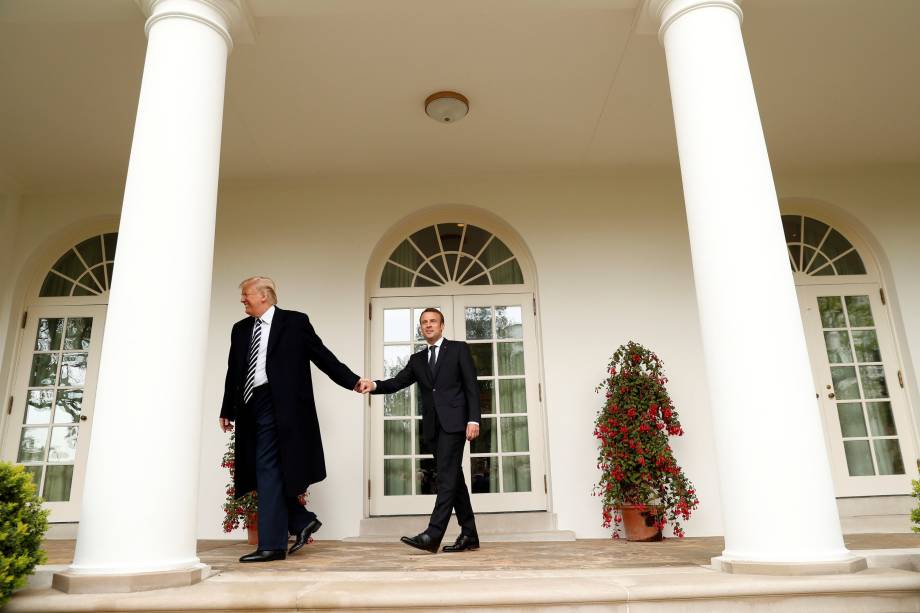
{"x":292,"y":345}
{"x":451,"y":391}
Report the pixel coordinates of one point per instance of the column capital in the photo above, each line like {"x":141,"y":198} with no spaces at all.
{"x":658,"y":15}
{"x":229,"y":18}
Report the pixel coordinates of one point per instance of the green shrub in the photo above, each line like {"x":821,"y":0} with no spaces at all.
{"x":22,"y":525}
{"x":915,"y":514}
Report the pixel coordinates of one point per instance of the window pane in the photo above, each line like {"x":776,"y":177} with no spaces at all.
{"x":49,"y":333}
{"x":430,"y":277}
{"x":439,"y":265}
{"x":835,"y":244}
{"x":818,"y":265}
{"x":859,"y":460}
{"x":509,"y":322}
{"x":407,"y":255}
{"x":57,"y":483}
{"x":394,"y":276}
{"x":888,"y":454}
{"x":55,"y":285}
{"x":397,"y":404}
{"x":484,"y":475}
{"x":845,"y":386}
{"x":44,"y":369}
{"x":881,"y":419}
{"x":860,"y":311}
{"x":68,"y":407}
{"x":91,"y":250}
{"x":397,"y":437}
{"x":474,"y":278}
{"x":426,"y":476}
{"x":421,"y":447}
{"x":486,"y":396}
{"x":866,"y":344}
{"x":873,"y":382}
{"x":110,"y":241}
{"x":508,"y":274}
{"x":852,"y":422}
{"x":397,"y":325}
{"x":70,"y":265}
{"x":495,"y":253}
{"x":512,"y":395}
{"x":73,"y":369}
{"x":36,"y":473}
{"x":395,"y":358}
{"x":426,"y":240}
{"x":478,"y":323}
{"x":397,"y":477}
{"x":63,"y":444}
{"x":511,"y":358}
{"x":514,"y":434}
{"x":838,"y":347}
{"x":474,"y":240}
{"x":792,"y":228}
{"x":482,"y":358}
{"x":814,"y":231}
{"x":450,"y":235}
{"x":831,"y":308}
{"x":850,"y":264}
{"x":32,"y":443}
{"x":487,"y":441}
{"x":516,"y":473}
{"x":89,"y":281}
{"x":795,"y":252}
{"x":38,"y":407}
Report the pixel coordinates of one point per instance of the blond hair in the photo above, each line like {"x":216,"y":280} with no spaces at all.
{"x":264,"y":285}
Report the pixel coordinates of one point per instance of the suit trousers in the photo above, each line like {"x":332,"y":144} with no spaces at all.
{"x":452,"y":492}
{"x":279,"y":514}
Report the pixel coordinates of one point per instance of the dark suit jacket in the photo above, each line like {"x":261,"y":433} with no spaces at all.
{"x":292,"y":345}
{"x":452,"y":391}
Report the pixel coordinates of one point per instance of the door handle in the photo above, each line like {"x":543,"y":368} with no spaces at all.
{"x":83,"y":418}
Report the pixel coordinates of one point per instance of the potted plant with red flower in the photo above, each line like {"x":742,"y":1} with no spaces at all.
{"x":239,"y":511}
{"x":641,"y":485}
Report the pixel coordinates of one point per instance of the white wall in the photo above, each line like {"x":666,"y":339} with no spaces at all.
{"x":612,"y":259}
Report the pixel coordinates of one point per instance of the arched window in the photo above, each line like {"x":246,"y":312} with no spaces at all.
{"x":84,"y":270}
{"x":447,"y":253}
{"x":816,"y":249}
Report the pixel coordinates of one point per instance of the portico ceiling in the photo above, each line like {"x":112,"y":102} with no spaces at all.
{"x":336,"y":87}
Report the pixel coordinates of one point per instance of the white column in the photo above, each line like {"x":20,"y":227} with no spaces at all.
{"x":140,"y":500}
{"x":777,"y":494}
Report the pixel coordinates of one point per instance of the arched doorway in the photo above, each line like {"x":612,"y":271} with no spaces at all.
{"x":480,"y":277}
{"x":855,"y":364}
{"x":55,"y":374}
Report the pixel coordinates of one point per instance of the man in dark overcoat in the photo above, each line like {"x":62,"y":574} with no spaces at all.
{"x":268,"y":393}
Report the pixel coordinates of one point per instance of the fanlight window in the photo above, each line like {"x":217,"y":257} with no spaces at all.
{"x":816,"y":249}
{"x":451,"y":252}
{"x":85,"y":270}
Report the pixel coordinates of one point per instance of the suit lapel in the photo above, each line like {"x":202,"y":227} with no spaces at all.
{"x":274,"y":334}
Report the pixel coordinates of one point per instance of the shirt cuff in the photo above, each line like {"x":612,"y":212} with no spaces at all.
{"x":472,"y":422}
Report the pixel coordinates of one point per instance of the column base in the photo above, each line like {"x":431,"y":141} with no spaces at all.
{"x":84,"y":583}
{"x":845,"y":566}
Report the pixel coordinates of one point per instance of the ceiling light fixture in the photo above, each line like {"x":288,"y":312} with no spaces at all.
{"x":446,"y":106}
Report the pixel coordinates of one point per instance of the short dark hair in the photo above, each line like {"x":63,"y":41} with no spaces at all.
{"x":432,"y":310}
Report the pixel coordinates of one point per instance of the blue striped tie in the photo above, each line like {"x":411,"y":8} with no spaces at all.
{"x":253,"y":358}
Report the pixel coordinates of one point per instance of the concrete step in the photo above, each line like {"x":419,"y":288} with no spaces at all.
{"x":875,"y":514}
{"x":492,"y":527}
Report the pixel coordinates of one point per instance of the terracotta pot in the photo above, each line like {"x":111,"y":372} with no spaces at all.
{"x":639,"y":525}
{"x":252,"y":528}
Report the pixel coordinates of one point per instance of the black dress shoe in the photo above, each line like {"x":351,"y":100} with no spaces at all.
{"x":422,"y":541}
{"x":304,"y":536}
{"x":464,"y":542}
{"x":264,"y":555}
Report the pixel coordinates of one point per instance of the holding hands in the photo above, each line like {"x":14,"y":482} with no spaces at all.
{"x":364,"y":386}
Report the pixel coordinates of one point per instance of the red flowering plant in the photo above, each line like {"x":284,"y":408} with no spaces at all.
{"x":237,"y":511}
{"x":635,"y":459}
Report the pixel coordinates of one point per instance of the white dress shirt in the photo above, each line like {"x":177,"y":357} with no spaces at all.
{"x":261,"y":377}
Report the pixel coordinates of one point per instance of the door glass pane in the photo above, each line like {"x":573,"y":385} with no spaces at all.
{"x":397,"y":477}
{"x":866,"y":344}
{"x":73,"y":369}
{"x":512,"y":395}
{"x":38,"y":407}
{"x":487,"y":396}
{"x":397,"y":403}
{"x":838,"y":347}
{"x":516,"y":473}
{"x":511,"y":358}
{"x":881,"y":419}
{"x":57,"y":483}
{"x":478,"y":323}
{"x":514,"y":434}
{"x":79,"y":331}
{"x":68,"y":407}
{"x":63,"y":444}
{"x":48,"y":336}
{"x":426,"y":476}
{"x":852,"y":422}
{"x":873,"y":382}
{"x":484,"y":475}
{"x":44,"y":369}
{"x":36,"y":473}
{"x":831,"y":308}
{"x":859,"y":459}
{"x":888,"y":454}
{"x":421,"y":447}
{"x":32,"y":445}
{"x":487,"y":441}
{"x":397,"y":437}
{"x":509,"y":322}
{"x":482,"y":358}
{"x":845,"y":386}
{"x":395,"y":358}
{"x":396,"y":325}
{"x":860,"y":311}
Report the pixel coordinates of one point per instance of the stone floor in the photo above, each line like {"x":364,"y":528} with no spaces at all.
{"x":222,"y":555}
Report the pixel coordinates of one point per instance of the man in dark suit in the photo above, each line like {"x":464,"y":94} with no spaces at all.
{"x":446,"y":378}
{"x":269,"y":394}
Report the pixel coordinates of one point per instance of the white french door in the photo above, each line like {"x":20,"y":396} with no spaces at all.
{"x":53,"y":393}
{"x":864,"y":408}
{"x":505,"y":467}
